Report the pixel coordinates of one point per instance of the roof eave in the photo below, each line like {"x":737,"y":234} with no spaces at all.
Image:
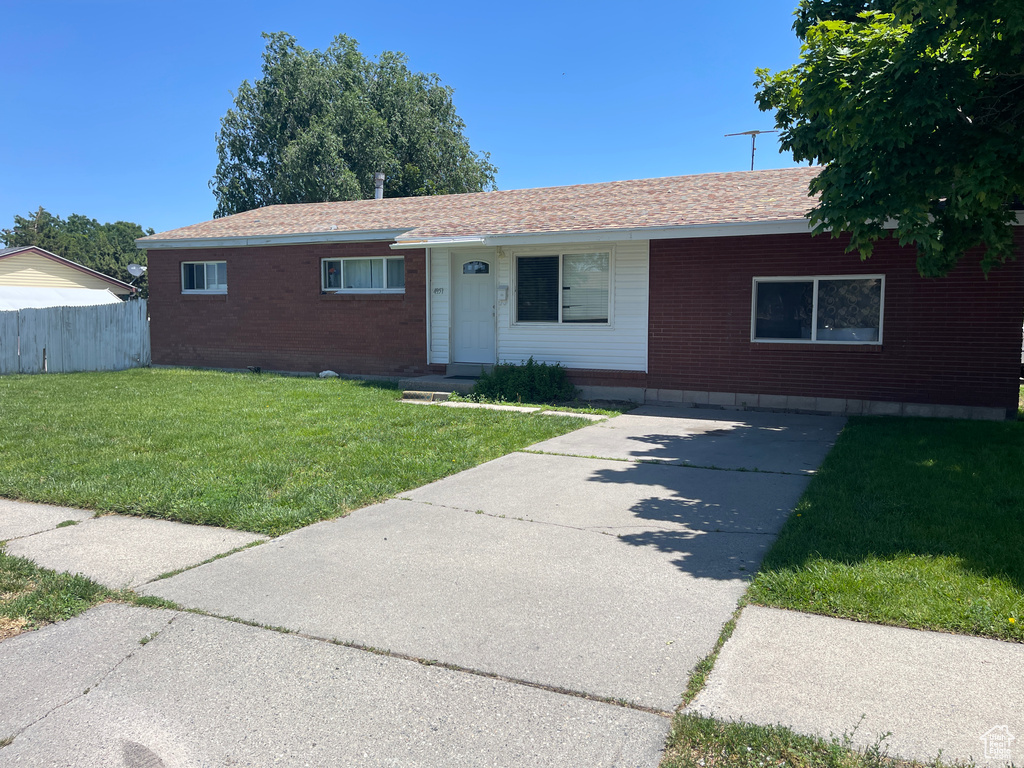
{"x":350,"y":236}
{"x":730,"y":229}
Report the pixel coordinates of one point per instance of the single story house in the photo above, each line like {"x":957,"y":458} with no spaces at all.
{"x":705,"y":289}
{"x":31,"y":277}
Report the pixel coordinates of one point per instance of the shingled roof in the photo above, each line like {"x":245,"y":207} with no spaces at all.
{"x":675,"y":201}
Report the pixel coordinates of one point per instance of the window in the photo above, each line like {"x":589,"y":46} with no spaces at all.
{"x":204,"y":277}
{"x":818,"y":309}
{"x":378,"y":275}
{"x":563,"y":288}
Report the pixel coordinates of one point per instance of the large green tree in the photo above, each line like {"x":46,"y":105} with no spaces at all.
{"x":318,"y":125}
{"x":108,"y":248}
{"x":916,"y":110}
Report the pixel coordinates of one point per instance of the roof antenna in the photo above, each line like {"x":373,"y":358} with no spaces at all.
{"x":753,"y":142}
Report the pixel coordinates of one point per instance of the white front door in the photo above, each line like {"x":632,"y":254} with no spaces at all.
{"x":473,"y":315}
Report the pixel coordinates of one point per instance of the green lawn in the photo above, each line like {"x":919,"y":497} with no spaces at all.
{"x":699,"y":742}
{"x":261,"y":453}
{"x":913,"y":522}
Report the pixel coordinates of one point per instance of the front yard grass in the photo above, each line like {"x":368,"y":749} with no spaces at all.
{"x":260,"y":453}
{"x":700,"y":742}
{"x":911,"y":522}
{"x":31,"y":596}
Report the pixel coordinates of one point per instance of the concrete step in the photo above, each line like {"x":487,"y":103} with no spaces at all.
{"x":431,"y":397}
{"x":436,"y":383}
{"x":467,"y":369}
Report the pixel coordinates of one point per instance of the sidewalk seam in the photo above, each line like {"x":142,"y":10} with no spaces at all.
{"x":94,"y":685}
{"x":608,"y":528}
{"x":510,"y":518}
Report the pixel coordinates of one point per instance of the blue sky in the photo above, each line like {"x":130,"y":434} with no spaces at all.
{"x":110,"y":108}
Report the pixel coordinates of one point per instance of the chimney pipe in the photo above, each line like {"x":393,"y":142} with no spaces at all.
{"x":378,"y":186}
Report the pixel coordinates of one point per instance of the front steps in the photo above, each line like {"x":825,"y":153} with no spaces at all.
{"x":466,"y":370}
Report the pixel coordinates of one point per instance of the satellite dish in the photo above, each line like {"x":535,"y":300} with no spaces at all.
{"x":136,"y":270}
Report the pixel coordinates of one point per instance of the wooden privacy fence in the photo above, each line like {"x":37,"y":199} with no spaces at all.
{"x":107,"y":337}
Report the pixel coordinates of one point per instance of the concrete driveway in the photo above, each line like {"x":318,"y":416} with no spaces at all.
{"x":577,"y":570}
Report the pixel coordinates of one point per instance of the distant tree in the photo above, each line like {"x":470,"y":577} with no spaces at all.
{"x":916,"y":109}
{"x":317,"y":126}
{"x":107,"y":248}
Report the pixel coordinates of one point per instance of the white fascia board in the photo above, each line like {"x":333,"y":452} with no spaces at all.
{"x":439,"y":242}
{"x":617,"y":235}
{"x":351,"y":236}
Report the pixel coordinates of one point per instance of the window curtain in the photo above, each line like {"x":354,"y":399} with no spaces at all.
{"x":364,"y":273}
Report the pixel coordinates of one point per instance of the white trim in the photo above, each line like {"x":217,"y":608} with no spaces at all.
{"x":814,"y":309}
{"x":354,"y":236}
{"x":202,"y":291}
{"x":429,"y":302}
{"x":738,"y":229}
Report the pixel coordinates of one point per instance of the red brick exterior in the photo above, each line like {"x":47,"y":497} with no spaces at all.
{"x":275,"y":316}
{"x":948,"y":341}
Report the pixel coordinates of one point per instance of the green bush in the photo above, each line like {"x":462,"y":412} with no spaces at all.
{"x":531,"y":382}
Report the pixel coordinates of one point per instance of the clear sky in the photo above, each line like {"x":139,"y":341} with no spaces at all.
{"x":110,"y":107}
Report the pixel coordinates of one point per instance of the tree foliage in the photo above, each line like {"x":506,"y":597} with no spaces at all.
{"x":916,"y":109}
{"x":107,"y":248}
{"x":318,"y":124}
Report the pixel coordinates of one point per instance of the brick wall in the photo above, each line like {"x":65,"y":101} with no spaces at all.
{"x":274,"y":315}
{"x":950,"y":341}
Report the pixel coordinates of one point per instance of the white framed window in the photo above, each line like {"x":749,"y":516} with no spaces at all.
{"x":385,"y":274}
{"x":204,"y":277}
{"x":839,"y":309}
{"x":563,"y":287}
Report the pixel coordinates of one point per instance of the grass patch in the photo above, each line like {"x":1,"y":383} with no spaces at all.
{"x":912,"y":522}
{"x":259,"y":453}
{"x":31,"y":597}
{"x":700,"y":742}
{"x":699,"y":675}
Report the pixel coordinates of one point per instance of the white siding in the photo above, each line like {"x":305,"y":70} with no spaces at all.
{"x":440,"y":303}
{"x":619,"y":345}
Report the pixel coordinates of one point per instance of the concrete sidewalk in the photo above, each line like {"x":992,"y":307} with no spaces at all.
{"x":931,"y":692}
{"x":114,"y":550}
{"x":554,"y":587}
{"x":134,"y":687}
{"x":606,"y":578}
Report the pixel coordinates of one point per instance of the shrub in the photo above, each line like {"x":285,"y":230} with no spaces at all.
{"x":531,"y":382}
